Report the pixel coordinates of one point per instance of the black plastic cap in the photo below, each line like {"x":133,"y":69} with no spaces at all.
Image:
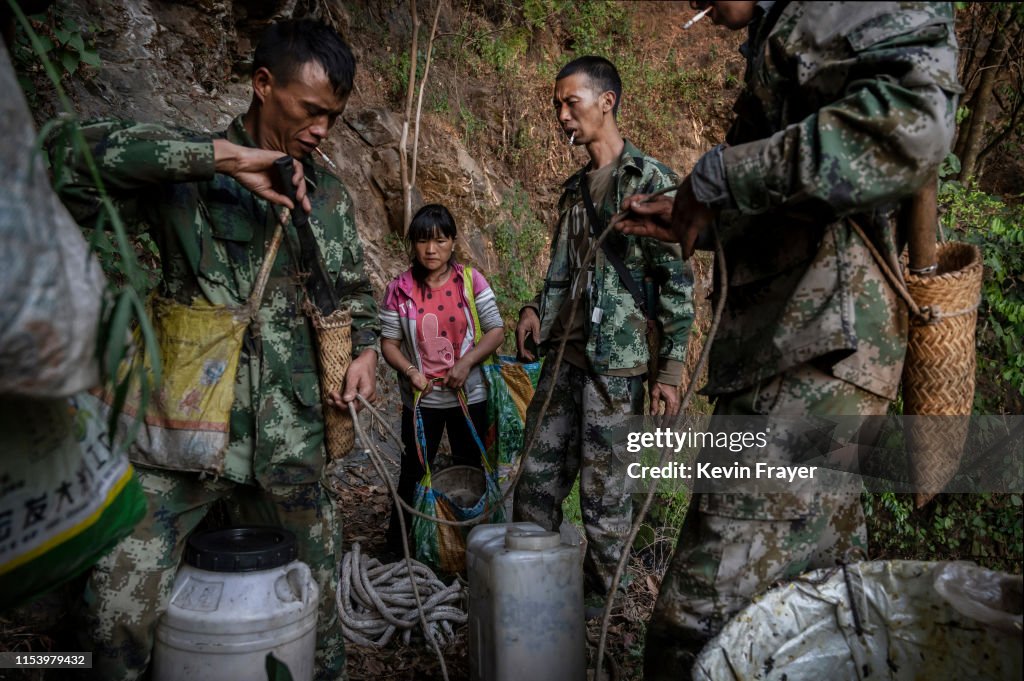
{"x":241,"y":549}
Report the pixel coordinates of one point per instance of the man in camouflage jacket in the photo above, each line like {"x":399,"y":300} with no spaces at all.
{"x":606,"y":355}
{"x":848,"y":108}
{"x":209,"y":205}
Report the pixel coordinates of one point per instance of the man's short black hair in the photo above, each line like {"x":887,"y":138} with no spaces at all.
{"x":287,"y":46}
{"x":602,"y":72}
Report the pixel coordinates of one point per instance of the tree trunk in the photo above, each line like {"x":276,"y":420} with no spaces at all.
{"x":969,"y":145}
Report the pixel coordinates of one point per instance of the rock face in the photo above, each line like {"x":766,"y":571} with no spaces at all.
{"x":188,"y":62}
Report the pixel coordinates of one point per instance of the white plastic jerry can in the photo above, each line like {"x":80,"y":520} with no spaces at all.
{"x":526,"y":617}
{"x":240,"y":595}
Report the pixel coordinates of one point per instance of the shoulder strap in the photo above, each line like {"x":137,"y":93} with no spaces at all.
{"x":613,"y":258}
{"x":467,"y":286}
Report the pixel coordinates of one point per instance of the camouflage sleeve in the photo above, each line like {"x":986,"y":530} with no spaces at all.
{"x":675,"y":291}
{"x":878,"y":142}
{"x":354,"y":286}
{"x":129,"y":157}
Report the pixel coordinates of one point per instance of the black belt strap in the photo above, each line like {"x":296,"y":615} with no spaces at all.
{"x":613,"y":258}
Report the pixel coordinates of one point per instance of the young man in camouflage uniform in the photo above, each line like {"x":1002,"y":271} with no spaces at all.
{"x":848,"y":108}
{"x":606,"y":355}
{"x":208,"y":203}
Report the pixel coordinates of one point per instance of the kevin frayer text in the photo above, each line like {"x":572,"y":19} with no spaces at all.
{"x":708,"y":471}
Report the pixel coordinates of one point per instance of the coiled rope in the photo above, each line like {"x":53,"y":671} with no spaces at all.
{"x":375,"y":601}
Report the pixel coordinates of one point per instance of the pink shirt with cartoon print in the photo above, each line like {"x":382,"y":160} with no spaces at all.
{"x":442,"y":327}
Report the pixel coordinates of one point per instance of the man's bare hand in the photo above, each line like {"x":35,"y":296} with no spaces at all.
{"x":647,"y":215}
{"x":682,"y":219}
{"x":665,"y":395}
{"x":361,"y":378}
{"x":529,"y":325}
{"x":254,"y":170}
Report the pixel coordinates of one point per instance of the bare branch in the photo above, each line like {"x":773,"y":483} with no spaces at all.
{"x":402,"y":150}
{"x":423,"y":83}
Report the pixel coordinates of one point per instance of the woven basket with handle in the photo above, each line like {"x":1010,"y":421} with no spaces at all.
{"x":334,"y":348}
{"x":938,"y":374}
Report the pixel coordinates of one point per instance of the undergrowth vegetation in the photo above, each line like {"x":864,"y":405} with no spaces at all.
{"x":520,"y":241}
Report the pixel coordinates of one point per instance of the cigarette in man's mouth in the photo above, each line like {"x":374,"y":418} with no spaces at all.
{"x":572,"y":138}
{"x":325,"y":157}
{"x":700,"y":15}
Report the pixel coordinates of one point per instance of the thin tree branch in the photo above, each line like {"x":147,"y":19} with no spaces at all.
{"x":402,"y":150}
{"x":423,"y":84}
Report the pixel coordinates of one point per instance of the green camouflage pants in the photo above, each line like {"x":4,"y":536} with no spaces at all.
{"x":129,"y":588}
{"x":734,"y":546}
{"x":578,"y":436}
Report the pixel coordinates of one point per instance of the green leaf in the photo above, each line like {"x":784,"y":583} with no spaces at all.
{"x":90,"y":57}
{"x":117,"y":406}
{"x":119,"y":328}
{"x":149,"y":339}
{"x":277,"y":670}
{"x":76,"y":41}
{"x":69,"y":60}
{"x":63,"y":35}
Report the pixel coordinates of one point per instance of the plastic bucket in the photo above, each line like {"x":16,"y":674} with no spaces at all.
{"x":240,"y":595}
{"x":464,"y":485}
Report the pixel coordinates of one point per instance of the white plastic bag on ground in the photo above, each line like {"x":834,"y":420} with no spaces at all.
{"x":807,"y":630}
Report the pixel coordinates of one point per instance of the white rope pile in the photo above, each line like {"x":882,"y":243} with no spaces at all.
{"x":376,"y":600}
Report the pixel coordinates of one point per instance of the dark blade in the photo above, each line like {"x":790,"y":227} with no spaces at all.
{"x":318,"y":286}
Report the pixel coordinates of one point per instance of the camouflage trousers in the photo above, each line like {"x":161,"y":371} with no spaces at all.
{"x":578,"y":435}
{"x":734,"y":546}
{"x":130,"y":587}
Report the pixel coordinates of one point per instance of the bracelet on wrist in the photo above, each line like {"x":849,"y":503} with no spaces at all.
{"x":411,"y":366}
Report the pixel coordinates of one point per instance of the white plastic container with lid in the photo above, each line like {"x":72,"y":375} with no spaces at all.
{"x":525,"y":605}
{"x":240,"y":595}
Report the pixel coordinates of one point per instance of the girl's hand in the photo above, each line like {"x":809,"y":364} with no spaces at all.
{"x":458,"y":374}
{"x":420,"y":382}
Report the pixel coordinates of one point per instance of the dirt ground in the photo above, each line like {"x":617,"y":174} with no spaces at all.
{"x":364,"y":506}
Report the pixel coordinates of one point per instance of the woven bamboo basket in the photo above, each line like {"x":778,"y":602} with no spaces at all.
{"x":334,"y":347}
{"x":938,"y":375}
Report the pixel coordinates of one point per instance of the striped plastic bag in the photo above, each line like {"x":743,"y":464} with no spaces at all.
{"x":66,"y":498}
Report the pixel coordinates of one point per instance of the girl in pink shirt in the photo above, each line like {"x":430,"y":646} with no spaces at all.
{"x":428,"y":338}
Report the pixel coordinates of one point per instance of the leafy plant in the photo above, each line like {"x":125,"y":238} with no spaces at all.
{"x":595,"y":27}
{"x":519,"y":241}
{"x":997,"y":228}
{"x":471,"y":125}
{"x":64,"y":43}
{"x":985,"y":528}
{"x":123,"y":306}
